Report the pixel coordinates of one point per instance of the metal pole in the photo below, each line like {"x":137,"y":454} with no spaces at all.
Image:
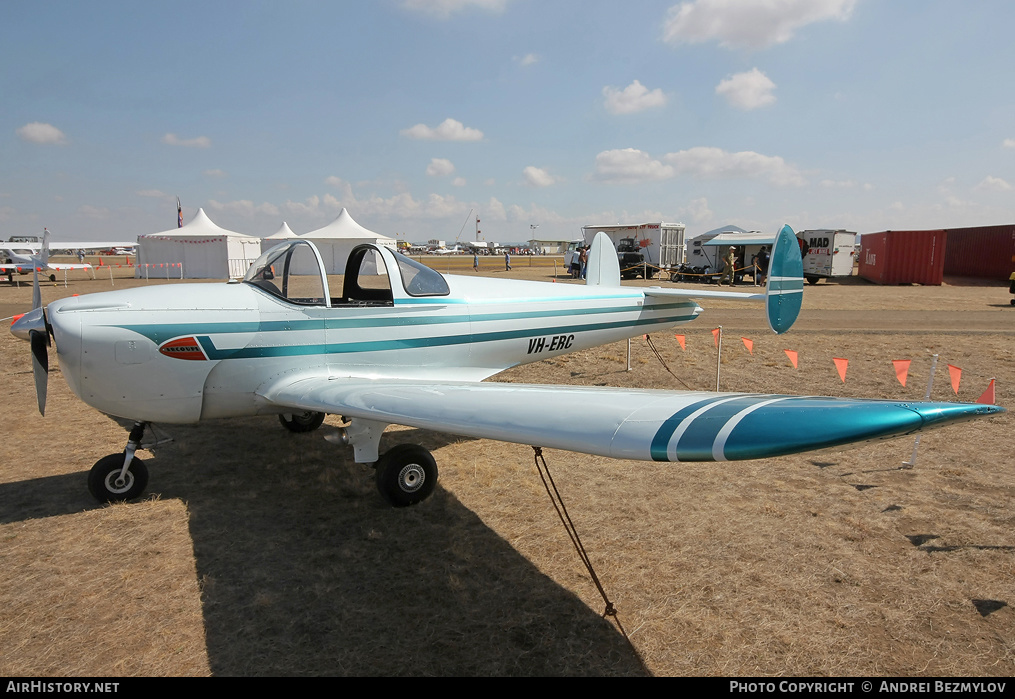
{"x":629,"y":354}
{"x":718,"y":356}
{"x":930,"y":384}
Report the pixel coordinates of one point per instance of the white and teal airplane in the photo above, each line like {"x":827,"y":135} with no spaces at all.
{"x":402,"y":344}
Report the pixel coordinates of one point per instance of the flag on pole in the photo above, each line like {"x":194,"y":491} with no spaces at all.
{"x":901,"y":369}
{"x":715,"y":337}
{"x":988,"y":396}
{"x":749,"y":344}
{"x":179,"y":214}
{"x":792,"y":354}
{"x":956,"y":375}
{"x":680,"y":339}
{"x":841,"y":365}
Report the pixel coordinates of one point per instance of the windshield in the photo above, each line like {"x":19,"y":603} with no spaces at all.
{"x":291,"y":271}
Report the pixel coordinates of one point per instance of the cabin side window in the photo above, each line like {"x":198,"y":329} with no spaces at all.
{"x":420,"y":280}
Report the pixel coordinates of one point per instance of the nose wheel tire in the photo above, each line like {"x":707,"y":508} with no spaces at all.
{"x":105,"y":484}
{"x":406,"y":475}
{"x":301,"y":422}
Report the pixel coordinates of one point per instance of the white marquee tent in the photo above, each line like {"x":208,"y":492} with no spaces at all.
{"x":280,"y":236}
{"x":336,"y":240}
{"x":205,"y":251}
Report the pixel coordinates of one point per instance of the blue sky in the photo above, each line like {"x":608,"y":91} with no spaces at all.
{"x":859,"y":114}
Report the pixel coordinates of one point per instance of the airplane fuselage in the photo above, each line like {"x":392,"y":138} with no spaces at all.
{"x":179,"y":354}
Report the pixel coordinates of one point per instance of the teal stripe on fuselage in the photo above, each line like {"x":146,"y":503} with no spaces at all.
{"x":420,"y":342}
{"x":159,"y":333}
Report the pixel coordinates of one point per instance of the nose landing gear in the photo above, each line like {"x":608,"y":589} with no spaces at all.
{"x":122,"y":476}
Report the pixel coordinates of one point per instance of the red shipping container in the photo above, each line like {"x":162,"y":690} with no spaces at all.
{"x":982,"y":251}
{"x":903,"y":257}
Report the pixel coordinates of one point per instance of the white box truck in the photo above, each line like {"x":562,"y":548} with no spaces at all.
{"x":830,"y":253}
{"x":644,"y":248}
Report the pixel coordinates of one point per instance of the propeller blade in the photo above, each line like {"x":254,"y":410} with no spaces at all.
{"x":36,"y":290}
{"x":40,"y":365}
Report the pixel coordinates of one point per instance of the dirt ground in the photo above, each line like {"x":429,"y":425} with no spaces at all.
{"x":260,"y":552}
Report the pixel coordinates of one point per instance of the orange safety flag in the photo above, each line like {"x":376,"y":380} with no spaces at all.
{"x":988,"y":395}
{"x":644,"y":337}
{"x":792,"y":357}
{"x":901,"y":369}
{"x":680,"y":339}
{"x":749,"y":344}
{"x":956,"y":375}
{"x":715,"y":337}
{"x":841,"y":365}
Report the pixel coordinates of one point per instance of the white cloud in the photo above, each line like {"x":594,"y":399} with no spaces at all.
{"x":42,"y":134}
{"x":215,"y":173}
{"x":1008,"y":143}
{"x":458,"y":182}
{"x":751,"y":24}
{"x":538,"y":177}
{"x":633,"y":98}
{"x":715,"y":163}
{"x":529,"y":59}
{"x":311,"y":206}
{"x":440,"y":167}
{"x":171,"y":139}
{"x":629,"y":165}
{"x":993,"y":184}
{"x":748,"y":90}
{"x":445,"y":8}
{"x":697,"y":210}
{"x":448,"y":130}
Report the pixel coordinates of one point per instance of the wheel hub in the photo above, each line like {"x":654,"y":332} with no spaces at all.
{"x":116,"y":484}
{"x":411,"y":478}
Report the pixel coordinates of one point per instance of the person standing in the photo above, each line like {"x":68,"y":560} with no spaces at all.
{"x":763,"y":259}
{"x":731,"y":263}
{"x":507,"y":260}
{"x":475,"y":261}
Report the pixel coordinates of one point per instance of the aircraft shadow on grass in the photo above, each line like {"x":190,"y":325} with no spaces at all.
{"x":305,"y":570}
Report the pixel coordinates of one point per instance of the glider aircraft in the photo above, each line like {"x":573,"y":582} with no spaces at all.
{"x":404,"y":344}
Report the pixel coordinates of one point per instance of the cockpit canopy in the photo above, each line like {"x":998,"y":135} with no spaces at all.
{"x":295,"y":272}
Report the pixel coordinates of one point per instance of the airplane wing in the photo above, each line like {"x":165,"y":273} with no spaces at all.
{"x":648,"y":425}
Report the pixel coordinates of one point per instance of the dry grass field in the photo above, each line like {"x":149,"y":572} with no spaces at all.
{"x":260,"y":552}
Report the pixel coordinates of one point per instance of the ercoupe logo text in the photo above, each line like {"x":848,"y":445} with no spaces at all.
{"x":183,"y":348}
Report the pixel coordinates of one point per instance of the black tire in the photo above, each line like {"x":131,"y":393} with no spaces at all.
{"x":102,"y":479}
{"x":812,"y":280}
{"x":406,"y":475}
{"x":302,"y":422}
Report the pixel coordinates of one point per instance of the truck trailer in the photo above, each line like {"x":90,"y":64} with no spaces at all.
{"x":644,"y":248}
{"x":829,"y":253}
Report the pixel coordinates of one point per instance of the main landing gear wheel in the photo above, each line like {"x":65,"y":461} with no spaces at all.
{"x":104,"y":481}
{"x":406,"y":475}
{"x":302,"y":422}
